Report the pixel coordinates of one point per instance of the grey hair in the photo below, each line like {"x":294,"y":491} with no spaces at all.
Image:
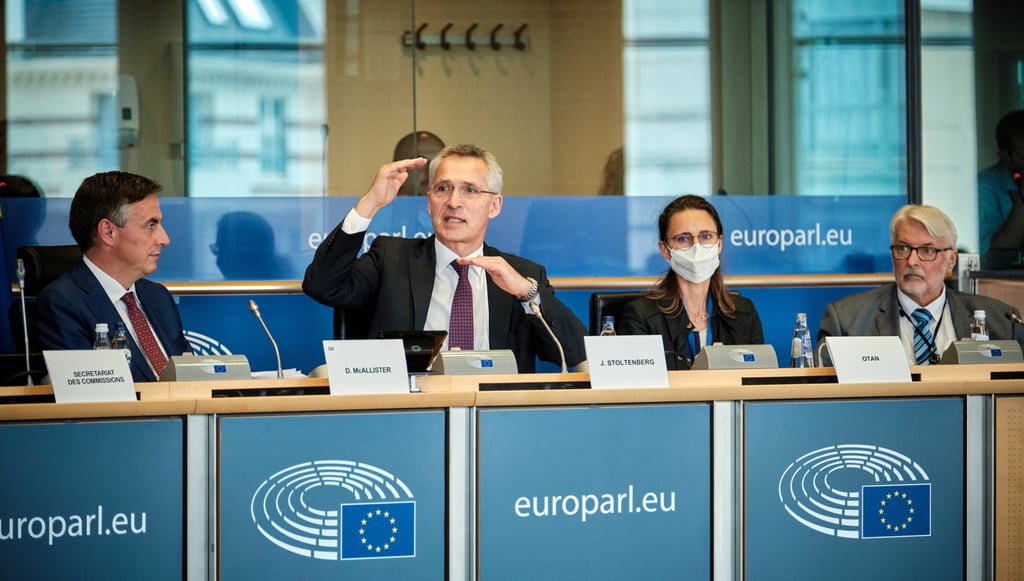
{"x":494,"y":173}
{"x":933,"y":219}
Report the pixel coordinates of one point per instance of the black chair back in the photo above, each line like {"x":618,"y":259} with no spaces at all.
{"x":352,"y":324}
{"x":43,"y":264}
{"x":608,"y":303}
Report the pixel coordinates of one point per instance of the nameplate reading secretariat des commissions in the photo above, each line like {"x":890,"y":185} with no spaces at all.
{"x":86,"y":375}
{"x":626,"y":361}
{"x":366,"y":366}
{"x":868,"y":359}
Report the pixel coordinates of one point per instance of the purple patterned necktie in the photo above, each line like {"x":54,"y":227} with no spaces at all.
{"x":460,"y":327}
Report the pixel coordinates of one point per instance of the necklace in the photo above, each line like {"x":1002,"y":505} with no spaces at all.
{"x":700,"y":318}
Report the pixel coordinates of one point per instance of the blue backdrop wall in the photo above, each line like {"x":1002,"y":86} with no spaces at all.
{"x":606,"y":236}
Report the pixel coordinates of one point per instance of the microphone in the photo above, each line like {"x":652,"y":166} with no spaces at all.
{"x":256,"y":311}
{"x":1014,"y":318}
{"x":561,"y":352}
{"x":24,"y":318}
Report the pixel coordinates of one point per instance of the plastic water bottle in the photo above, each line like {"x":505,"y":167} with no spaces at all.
{"x":120,"y":340}
{"x":979,"y":328}
{"x":801,"y":354}
{"x":607,"y":325}
{"x":102,"y":340}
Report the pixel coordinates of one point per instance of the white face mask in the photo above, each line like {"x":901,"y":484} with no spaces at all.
{"x":696,"y":264}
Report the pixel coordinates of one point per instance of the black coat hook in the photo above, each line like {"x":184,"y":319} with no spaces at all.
{"x":469,"y":37}
{"x":519,"y":37}
{"x":444,"y":37}
{"x":419,"y":40}
{"x":494,"y":37}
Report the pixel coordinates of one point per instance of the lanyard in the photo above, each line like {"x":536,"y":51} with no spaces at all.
{"x":693,"y":338}
{"x":935,"y":356}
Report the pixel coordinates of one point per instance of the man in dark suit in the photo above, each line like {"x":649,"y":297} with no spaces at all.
{"x":923,"y":254}
{"x":116,"y":221}
{"x":403,"y":284}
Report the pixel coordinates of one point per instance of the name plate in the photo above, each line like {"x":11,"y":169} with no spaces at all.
{"x":366,"y":366}
{"x":86,"y":375}
{"x":619,"y":361}
{"x":868,"y":359}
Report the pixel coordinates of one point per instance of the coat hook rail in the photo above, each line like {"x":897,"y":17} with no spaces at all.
{"x":421,"y":40}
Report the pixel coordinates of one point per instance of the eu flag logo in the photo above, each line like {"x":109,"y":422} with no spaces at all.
{"x":378,"y":530}
{"x":896,"y":510}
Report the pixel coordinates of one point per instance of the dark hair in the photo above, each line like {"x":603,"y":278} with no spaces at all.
{"x":668,"y":286}
{"x":1010,"y":127}
{"x":106,"y":195}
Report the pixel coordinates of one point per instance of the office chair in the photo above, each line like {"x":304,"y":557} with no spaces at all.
{"x":352,"y":324}
{"x":43,"y":264}
{"x":602,"y":303}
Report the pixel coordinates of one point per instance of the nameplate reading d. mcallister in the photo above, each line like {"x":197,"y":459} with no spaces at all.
{"x":366,"y":366}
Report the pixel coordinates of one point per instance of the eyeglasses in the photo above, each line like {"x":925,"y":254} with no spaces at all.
{"x":925,"y":253}
{"x":685,"y":240}
{"x":470,"y":192}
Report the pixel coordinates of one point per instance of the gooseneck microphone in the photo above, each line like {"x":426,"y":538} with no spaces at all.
{"x":256,"y":311}
{"x":561,"y":352}
{"x":24,"y":318}
{"x":1014,"y":319}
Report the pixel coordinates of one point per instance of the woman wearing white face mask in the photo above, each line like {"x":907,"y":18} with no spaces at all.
{"x":690,"y":306}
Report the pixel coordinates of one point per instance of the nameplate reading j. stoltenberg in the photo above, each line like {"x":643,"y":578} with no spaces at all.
{"x":625,"y":361}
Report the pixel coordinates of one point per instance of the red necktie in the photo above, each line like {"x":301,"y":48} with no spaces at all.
{"x":460,"y":326}
{"x":145,"y":334}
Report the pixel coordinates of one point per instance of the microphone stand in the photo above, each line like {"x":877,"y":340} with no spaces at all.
{"x":256,"y":311}
{"x":24,"y":319}
{"x":561,"y":353}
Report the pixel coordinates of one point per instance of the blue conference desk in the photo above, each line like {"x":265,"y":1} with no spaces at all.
{"x":764,"y":474}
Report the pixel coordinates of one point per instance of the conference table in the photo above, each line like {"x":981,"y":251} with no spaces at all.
{"x":724,"y":474}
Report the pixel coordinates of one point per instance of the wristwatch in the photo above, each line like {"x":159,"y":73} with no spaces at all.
{"x":532,"y":294}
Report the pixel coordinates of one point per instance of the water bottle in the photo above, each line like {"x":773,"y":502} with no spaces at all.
{"x":979,"y":328}
{"x":120,"y":340}
{"x":607,"y":325}
{"x":801,"y":354}
{"x":102,"y":340}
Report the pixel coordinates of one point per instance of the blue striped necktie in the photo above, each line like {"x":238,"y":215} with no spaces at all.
{"x":923,"y":337}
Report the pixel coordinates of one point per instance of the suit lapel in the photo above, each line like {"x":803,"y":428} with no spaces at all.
{"x":102,"y":309}
{"x":887,"y":318}
{"x":421,"y":280}
{"x":500,"y":307}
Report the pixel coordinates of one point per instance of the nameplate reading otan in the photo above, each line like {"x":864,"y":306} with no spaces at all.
{"x":86,"y":375}
{"x":366,"y":366}
{"x":868,"y":359}
{"x":626,"y":361}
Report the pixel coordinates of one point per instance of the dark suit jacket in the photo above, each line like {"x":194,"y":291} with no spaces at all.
{"x":394,"y":281}
{"x":643,"y":316}
{"x":876,"y":312}
{"x":68,"y":309}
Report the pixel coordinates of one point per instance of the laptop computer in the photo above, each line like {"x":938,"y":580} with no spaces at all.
{"x":421,"y":347}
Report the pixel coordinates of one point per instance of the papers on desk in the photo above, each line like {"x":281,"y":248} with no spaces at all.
{"x":624,"y":361}
{"x":288,"y":373}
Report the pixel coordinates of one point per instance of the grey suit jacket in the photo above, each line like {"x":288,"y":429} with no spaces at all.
{"x":876,"y":312}
{"x":394,"y":280}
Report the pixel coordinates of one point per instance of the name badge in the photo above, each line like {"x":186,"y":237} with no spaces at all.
{"x":366,"y":366}
{"x":87,"y":375}
{"x":625,"y":361}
